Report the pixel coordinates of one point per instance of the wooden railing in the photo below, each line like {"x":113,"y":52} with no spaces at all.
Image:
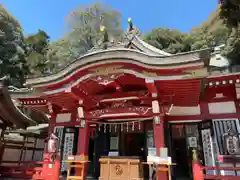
{"x":36,"y":170}
{"x":199,"y":172}
{"x":28,"y":170}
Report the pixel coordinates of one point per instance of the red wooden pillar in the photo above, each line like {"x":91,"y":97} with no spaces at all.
{"x":159,"y":141}
{"x":83,"y":140}
{"x":158,"y":124}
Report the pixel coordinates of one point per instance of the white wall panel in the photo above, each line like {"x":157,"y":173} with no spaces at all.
{"x":222,"y":107}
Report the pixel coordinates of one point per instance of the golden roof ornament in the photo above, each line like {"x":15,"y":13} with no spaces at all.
{"x":132,"y":30}
{"x":105,"y":37}
{"x":130,"y":24}
{"x":102,"y":28}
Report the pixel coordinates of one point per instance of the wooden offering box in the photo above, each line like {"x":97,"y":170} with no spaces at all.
{"x":120,"y":168}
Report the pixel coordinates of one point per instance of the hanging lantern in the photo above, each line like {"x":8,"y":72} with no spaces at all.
{"x":80,"y":112}
{"x":99,"y":127}
{"x":110,"y":128}
{"x":127,"y":126}
{"x":82,"y":123}
{"x":139,"y":125}
{"x":157,"y":120}
{"x":121,"y":127}
{"x":133,"y":126}
{"x":105,"y":128}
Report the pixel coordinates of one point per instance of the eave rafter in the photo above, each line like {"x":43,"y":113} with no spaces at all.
{"x":182,"y":90}
{"x":38,"y":104}
{"x":81,"y":95}
{"x":61,"y":100}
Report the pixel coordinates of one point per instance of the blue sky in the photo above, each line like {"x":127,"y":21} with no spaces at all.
{"x":49,"y":15}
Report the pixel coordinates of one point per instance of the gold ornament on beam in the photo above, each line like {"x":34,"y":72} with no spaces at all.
{"x":149,"y":74}
{"x":203,"y":72}
{"x":106,"y":70}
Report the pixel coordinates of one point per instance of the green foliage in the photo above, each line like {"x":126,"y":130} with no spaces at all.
{"x":84,"y":32}
{"x":171,"y":41}
{"x":210,"y":33}
{"x":12,"y":49}
{"x":230,"y":12}
{"x":37,"y":53}
{"x":232,"y":49}
{"x":38,"y":42}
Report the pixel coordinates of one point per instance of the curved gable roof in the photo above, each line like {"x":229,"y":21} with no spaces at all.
{"x":10,"y":114}
{"x":147,"y":48}
{"x":125,"y":55}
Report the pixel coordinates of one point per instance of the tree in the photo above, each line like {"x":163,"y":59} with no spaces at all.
{"x":230,"y":12}
{"x":37,"y":53}
{"x":12,"y":49}
{"x":171,"y":41}
{"x":84,"y":31}
{"x":232,"y":48}
{"x":209,"y":34}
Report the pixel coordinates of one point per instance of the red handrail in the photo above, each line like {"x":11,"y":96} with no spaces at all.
{"x":220,"y":168}
{"x":198,"y":172}
{"x":27,"y":162}
{"x":28,"y":169}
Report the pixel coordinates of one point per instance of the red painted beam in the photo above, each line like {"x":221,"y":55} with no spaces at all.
{"x":123,"y":95}
{"x":88,"y":100}
{"x":167,"y":118}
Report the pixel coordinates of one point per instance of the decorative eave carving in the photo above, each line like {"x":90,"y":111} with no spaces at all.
{"x":110,"y":112}
{"x":106,"y":70}
{"x":201,"y":72}
{"x":150,"y":74}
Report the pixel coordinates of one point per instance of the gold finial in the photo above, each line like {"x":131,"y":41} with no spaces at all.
{"x":102,"y":28}
{"x":130,"y":24}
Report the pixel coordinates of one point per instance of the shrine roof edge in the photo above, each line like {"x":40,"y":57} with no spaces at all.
{"x":133,"y":56}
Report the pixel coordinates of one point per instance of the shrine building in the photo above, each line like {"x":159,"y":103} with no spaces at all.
{"x":128,"y":98}
{"x":16,"y":147}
